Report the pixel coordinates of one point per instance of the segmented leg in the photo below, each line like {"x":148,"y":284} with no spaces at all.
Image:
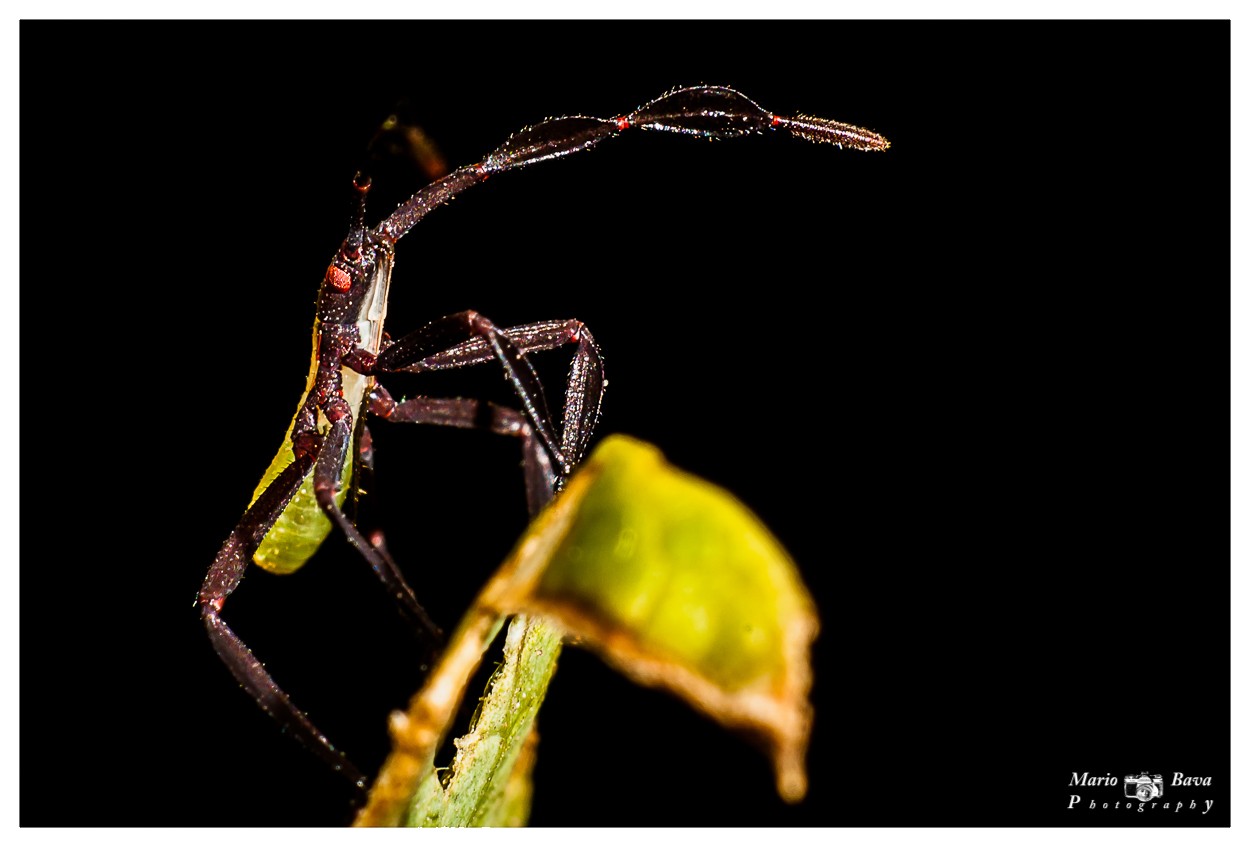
{"x":223,"y":578}
{"x":325,"y":459}
{"x":468,"y":338}
{"x":326,"y":474}
{"x":461,"y":340}
{"x":540,"y":479}
{"x":458,"y":341}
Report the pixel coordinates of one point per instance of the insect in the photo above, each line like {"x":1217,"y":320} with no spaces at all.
{"x":300,"y":497}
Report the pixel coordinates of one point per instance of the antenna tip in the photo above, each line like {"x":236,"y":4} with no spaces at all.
{"x":823,"y":130}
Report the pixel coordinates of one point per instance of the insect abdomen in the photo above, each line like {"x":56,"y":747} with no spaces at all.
{"x":302,"y":527}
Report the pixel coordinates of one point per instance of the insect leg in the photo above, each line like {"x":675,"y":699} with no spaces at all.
{"x":468,"y":338}
{"x":540,"y":479}
{"x":583,"y":388}
{"x":223,"y":578}
{"x":326,"y":474}
{"x":451,"y":330}
{"x":583,"y":398}
{"x":392,"y":579}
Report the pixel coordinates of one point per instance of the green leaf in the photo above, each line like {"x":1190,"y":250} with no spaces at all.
{"x":671,"y":579}
{"x":490,"y":783}
{"x":677,"y":565}
{"x":678,"y":585}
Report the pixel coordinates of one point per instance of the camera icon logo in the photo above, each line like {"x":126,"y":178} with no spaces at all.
{"x":1144,"y":786}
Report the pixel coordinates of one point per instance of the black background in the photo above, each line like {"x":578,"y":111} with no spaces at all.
{"x":978,"y":385}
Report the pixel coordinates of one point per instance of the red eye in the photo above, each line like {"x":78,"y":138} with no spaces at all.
{"x":338,"y":278}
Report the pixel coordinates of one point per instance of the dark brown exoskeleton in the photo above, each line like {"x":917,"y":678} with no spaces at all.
{"x":299,"y":498}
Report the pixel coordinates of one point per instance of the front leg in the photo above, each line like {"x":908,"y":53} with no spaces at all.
{"x":326,"y":475}
{"x":224,"y":576}
{"x":468,"y":338}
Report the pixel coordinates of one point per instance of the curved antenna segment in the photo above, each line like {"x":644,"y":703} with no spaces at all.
{"x":707,"y":111}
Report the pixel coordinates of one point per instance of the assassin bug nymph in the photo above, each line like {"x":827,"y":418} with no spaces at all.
{"x":300,"y":497}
